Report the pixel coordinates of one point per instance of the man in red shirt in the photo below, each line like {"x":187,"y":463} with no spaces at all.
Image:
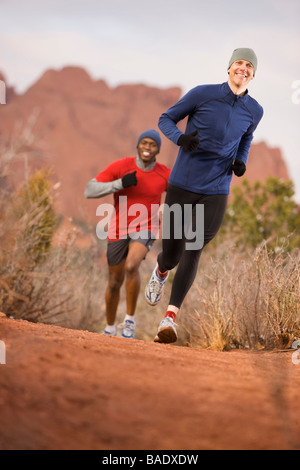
{"x":137,"y":184}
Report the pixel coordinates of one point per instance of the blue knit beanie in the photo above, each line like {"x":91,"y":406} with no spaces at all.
{"x":152,"y":134}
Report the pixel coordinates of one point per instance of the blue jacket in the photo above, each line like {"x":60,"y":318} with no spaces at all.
{"x":226,"y":123}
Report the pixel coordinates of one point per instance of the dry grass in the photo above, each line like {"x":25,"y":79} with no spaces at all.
{"x":40,"y":282}
{"x":61,"y":287}
{"x":244,"y":300}
{"x":240,"y":299}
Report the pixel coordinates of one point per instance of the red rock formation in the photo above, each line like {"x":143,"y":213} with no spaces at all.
{"x":265,"y":161}
{"x":82,"y":125}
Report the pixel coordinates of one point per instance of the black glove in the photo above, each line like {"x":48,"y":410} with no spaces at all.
{"x":238,"y":167}
{"x":129,"y":180}
{"x":189,"y":142}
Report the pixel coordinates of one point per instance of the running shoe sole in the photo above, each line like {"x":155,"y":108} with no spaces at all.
{"x":166,"y":335}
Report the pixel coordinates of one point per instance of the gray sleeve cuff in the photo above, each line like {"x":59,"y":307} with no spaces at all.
{"x":96,"y":189}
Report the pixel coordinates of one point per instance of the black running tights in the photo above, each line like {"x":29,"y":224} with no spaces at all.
{"x":174,"y":249}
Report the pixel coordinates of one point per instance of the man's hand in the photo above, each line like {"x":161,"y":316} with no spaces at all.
{"x":189,"y":142}
{"x":129,"y":180}
{"x":238,"y":167}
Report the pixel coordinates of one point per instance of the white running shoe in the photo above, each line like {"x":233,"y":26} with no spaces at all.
{"x":128,"y":329}
{"x":110,"y":333}
{"x":155,"y":287}
{"x":166,"y":331}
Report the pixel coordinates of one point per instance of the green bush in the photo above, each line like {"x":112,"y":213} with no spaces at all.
{"x":263,"y":212}
{"x":34,"y":207}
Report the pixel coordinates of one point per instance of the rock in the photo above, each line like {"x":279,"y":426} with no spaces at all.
{"x":82,"y":125}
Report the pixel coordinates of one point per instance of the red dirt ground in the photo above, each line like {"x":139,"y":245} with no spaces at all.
{"x":67,"y":389}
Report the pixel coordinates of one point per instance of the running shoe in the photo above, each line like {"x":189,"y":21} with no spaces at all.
{"x":128,"y":329}
{"x":166,"y":331}
{"x":109,"y":333}
{"x":155,"y":287}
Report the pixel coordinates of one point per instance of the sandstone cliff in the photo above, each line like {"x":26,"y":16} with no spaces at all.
{"x":77,"y":125}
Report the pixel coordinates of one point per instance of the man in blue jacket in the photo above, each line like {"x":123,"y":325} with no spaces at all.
{"x":221,"y":121}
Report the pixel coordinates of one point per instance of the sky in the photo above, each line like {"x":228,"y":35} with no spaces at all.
{"x":164,"y":43}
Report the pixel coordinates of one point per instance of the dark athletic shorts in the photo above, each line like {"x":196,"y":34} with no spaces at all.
{"x":117,"y":251}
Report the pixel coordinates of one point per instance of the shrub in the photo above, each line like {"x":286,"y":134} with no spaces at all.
{"x":36,"y":214}
{"x":245,"y":300}
{"x":39,"y":281}
{"x":263,"y":212}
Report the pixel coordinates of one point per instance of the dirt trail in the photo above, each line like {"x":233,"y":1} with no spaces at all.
{"x":67,"y":389}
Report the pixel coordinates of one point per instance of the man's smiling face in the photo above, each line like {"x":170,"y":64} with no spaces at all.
{"x":241,"y":73}
{"x":147,"y":150}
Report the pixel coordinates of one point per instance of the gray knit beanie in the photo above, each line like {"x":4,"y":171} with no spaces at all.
{"x":244,"y":53}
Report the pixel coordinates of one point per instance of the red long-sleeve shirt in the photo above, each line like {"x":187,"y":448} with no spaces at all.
{"x":136,"y":207}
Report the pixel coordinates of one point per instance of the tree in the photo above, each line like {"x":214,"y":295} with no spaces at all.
{"x":264,"y":212}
